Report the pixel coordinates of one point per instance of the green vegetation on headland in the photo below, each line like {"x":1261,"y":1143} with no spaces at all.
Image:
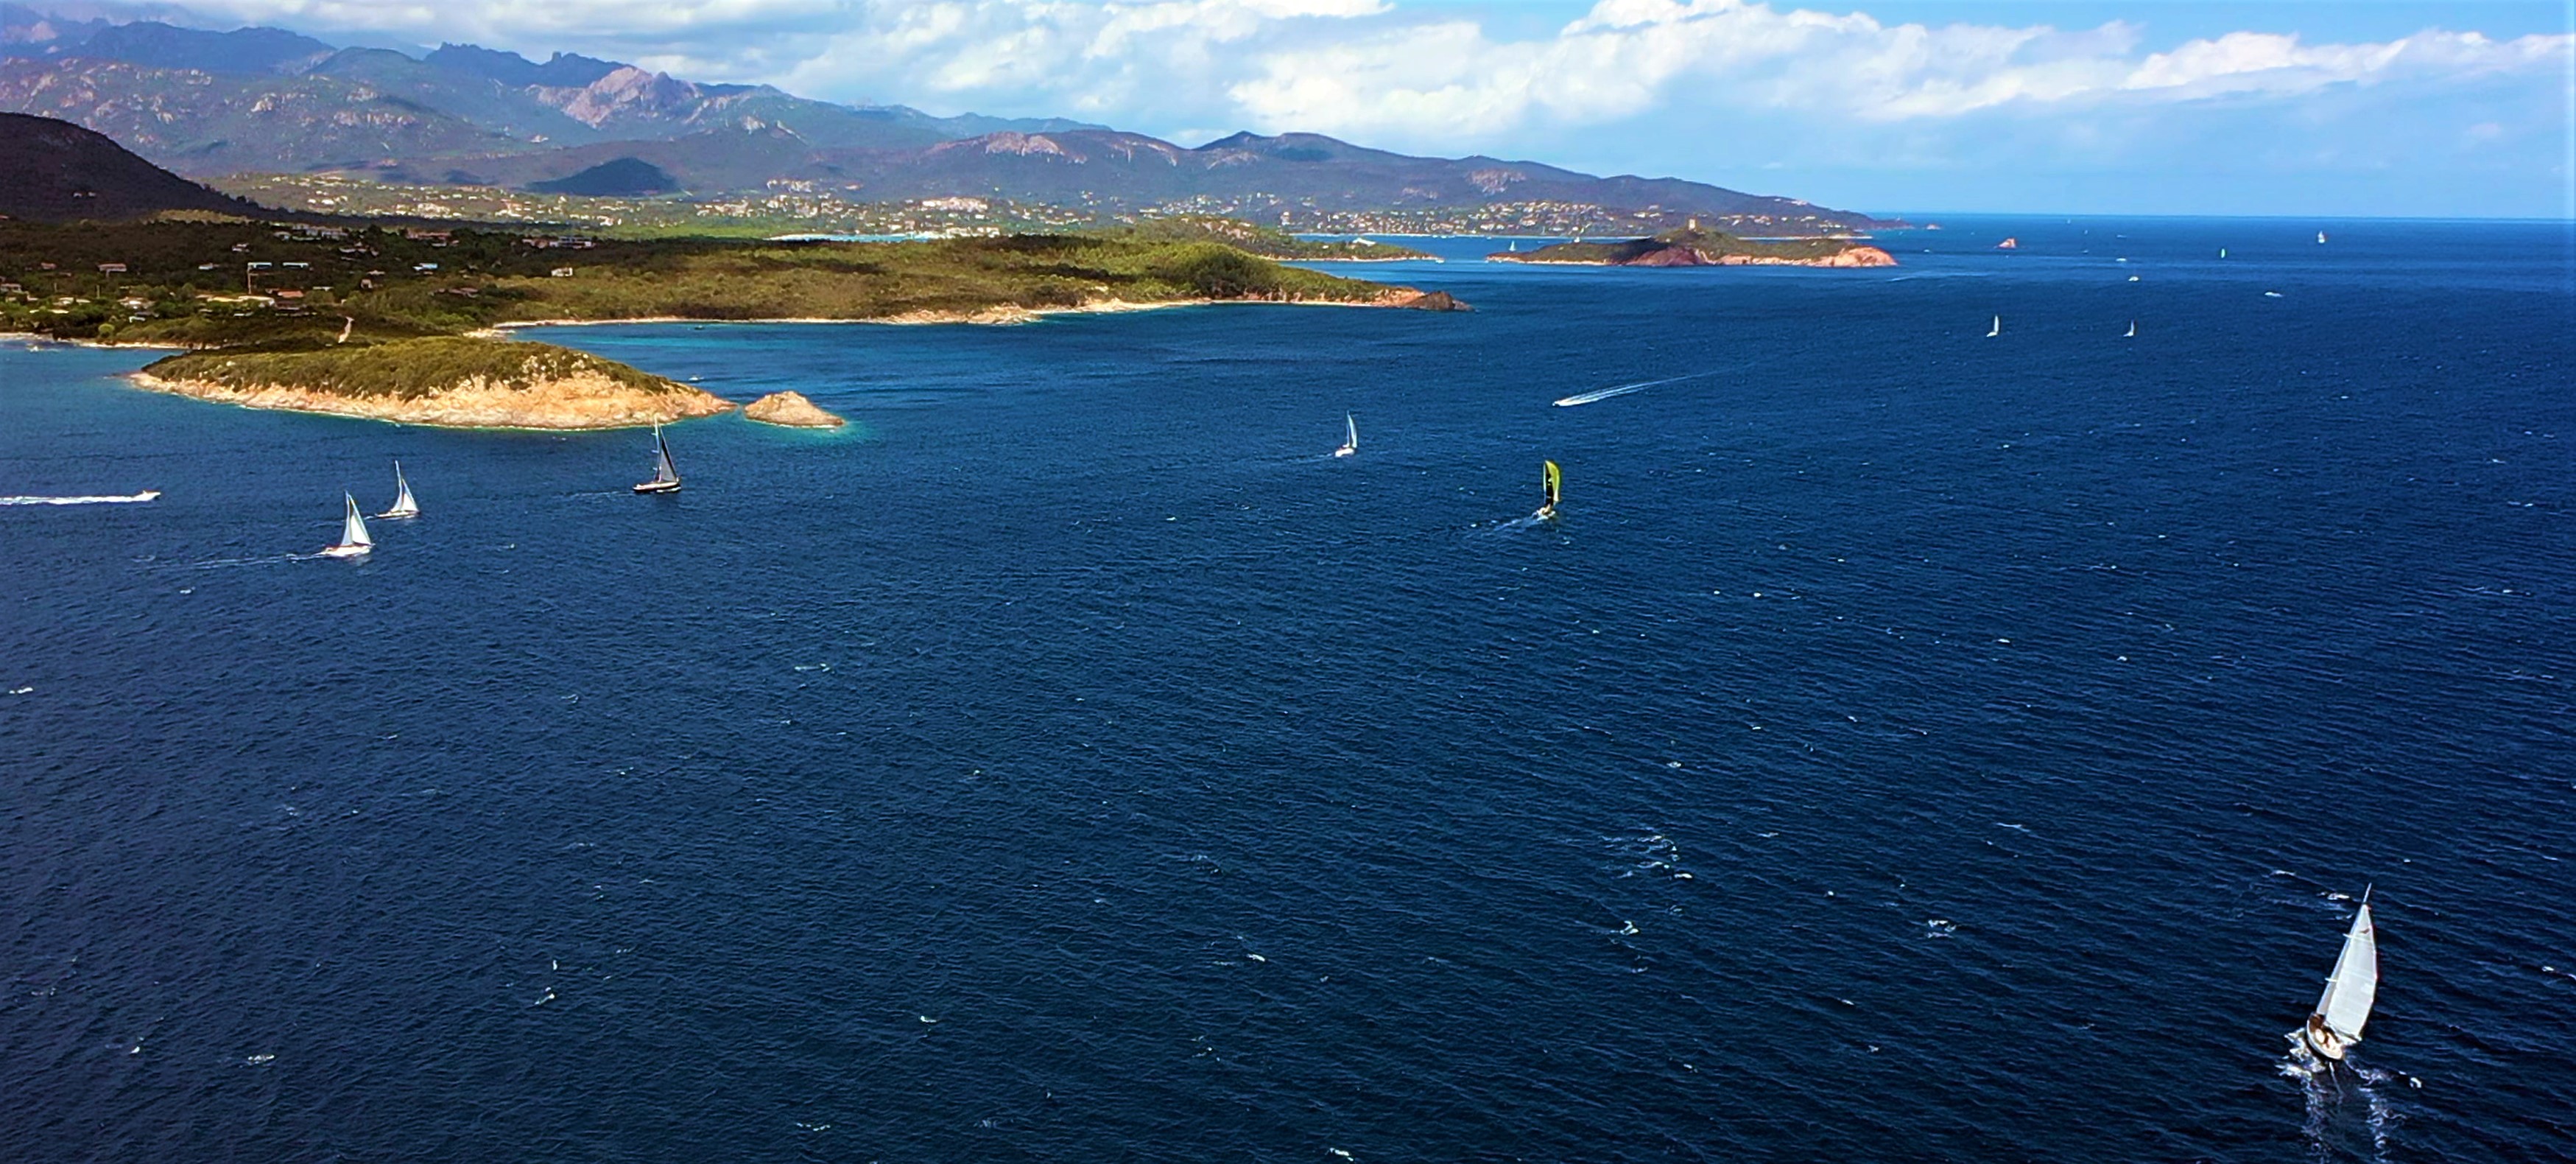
{"x":1269,"y":242}
{"x":319,"y":308}
{"x":446,"y":380}
{"x":1695,"y":247}
{"x":948,"y":278}
{"x":230,"y":283}
{"x":405,"y":369}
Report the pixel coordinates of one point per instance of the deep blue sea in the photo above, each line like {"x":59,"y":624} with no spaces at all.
{"x":1909,"y":745}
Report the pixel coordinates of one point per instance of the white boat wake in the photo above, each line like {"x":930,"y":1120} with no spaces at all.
{"x":2329,"y":1130}
{"x":101,"y":499}
{"x":230,"y":563}
{"x":1624,"y":389}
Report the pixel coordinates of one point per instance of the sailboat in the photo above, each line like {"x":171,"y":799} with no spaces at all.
{"x":1351,"y":443}
{"x":666,"y":479}
{"x":1554,"y":482}
{"x":2133,"y":330}
{"x":354,"y":542}
{"x":2335,"y":1025}
{"x":404,"y":506}
{"x":1997,"y":329}
{"x":2321,"y":238}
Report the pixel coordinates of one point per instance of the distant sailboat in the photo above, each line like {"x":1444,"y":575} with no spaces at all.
{"x":2321,"y":238}
{"x":1997,"y":329}
{"x":666,"y":478}
{"x":404,"y":506}
{"x":2222,"y":252}
{"x":1554,"y":483}
{"x":2133,"y":330}
{"x":1351,"y":443}
{"x":2336,"y":1024}
{"x":354,"y":541}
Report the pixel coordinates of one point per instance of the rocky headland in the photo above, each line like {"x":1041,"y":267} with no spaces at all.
{"x":448,"y":381}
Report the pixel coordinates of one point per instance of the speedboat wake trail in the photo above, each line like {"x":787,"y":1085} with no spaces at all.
{"x":119,"y":499}
{"x":1624,"y":389}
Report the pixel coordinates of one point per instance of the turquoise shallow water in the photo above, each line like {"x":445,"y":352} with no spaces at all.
{"x":1911,"y":745}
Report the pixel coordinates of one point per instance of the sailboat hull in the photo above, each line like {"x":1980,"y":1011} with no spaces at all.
{"x":1345,"y":451}
{"x":657,"y":487}
{"x":401,"y":512}
{"x":347,"y":551}
{"x":2324,"y":1046}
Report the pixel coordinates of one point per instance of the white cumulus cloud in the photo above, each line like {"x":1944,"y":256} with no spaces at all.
{"x":1759,"y":85}
{"x":1381,"y":67}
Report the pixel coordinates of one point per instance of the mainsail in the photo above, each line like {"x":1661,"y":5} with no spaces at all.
{"x":1353,"y":441}
{"x":663,"y":471}
{"x":404,"y":505}
{"x":353,"y":531}
{"x":2354,"y":985}
{"x":1555,"y":485}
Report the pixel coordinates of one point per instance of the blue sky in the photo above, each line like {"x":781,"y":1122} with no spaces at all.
{"x":2304,"y":107}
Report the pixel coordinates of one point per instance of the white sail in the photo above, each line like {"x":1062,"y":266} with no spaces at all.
{"x":666,"y":476}
{"x":663,"y":469}
{"x":404,"y":505}
{"x":1997,"y":329}
{"x":1353,"y":442}
{"x":2354,"y":985}
{"x":2133,"y":330}
{"x":353,"y":531}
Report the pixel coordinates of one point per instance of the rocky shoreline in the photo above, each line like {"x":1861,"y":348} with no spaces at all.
{"x":523,"y":385}
{"x":1402,"y":298}
{"x":576,"y":402}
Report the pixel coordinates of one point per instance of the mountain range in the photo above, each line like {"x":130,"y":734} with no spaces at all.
{"x":210,"y":103}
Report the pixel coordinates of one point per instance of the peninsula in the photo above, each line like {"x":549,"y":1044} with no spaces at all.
{"x":403,"y":321}
{"x":447,"y":381}
{"x":410,"y":325}
{"x":1695,"y":247}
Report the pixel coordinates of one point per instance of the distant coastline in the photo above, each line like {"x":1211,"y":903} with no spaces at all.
{"x":1693,"y":247}
{"x":484,"y":380}
{"x":1399,"y":298}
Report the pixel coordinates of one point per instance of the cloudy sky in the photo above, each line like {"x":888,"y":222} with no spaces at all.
{"x":2333,"y":107}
